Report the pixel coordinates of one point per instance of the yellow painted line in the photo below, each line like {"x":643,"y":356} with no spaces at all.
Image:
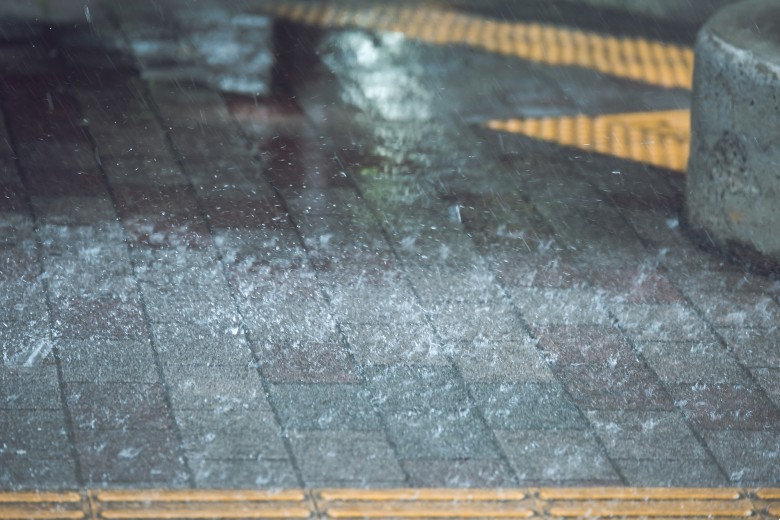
{"x":658,"y":138}
{"x":199,"y":511}
{"x":675,"y":509}
{"x":618,"y":493}
{"x":639,"y":59}
{"x":428,"y":494}
{"x":41,"y":505}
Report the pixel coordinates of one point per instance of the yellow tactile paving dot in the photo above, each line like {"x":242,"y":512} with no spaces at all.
{"x":562,"y":503}
{"x":638,"y":59}
{"x":658,"y":138}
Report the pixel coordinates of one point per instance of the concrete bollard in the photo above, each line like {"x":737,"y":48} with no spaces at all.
{"x":733,"y":182}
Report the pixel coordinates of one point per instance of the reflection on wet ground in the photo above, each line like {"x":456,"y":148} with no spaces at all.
{"x":355,"y":280}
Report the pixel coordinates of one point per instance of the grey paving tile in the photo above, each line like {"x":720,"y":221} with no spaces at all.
{"x":726,"y":406}
{"x":99,"y":316}
{"x":406,"y":342}
{"x":230,"y":434}
{"x":492,"y":321}
{"x":304,"y":318}
{"x":508,"y":361}
{"x":671,"y":473}
{"x":754,"y":347}
{"x":769,"y":379}
{"x":373,"y":304}
{"x":400,"y":387}
{"x":542,"y":307}
{"x":362,"y":459}
{"x":486,"y":473}
{"x":602,"y":345}
{"x":737,"y":309}
{"x":166,"y":268}
{"x":306,"y":362}
{"x":23,"y":301}
{"x":219,"y":342}
{"x":202,"y":387}
{"x":614,"y":388}
{"x":324,"y":407}
{"x":661,"y":322}
{"x":23,"y":472}
{"x":526,"y":406}
{"x":25,"y":343}
{"x":74,"y":210}
{"x":191,"y":305}
{"x":117,"y":406}
{"x":145,"y":458}
{"x":692,"y":362}
{"x":439,"y":433}
{"x":243,"y":474}
{"x":41,"y":433}
{"x":107,"y":360}
{"x":30,"y":388}
{"x":556,"y":455}
{"x":748,"y":456}
{"x":645,"y":435}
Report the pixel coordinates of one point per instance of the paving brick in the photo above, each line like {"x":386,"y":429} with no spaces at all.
{"x":107,"y":360}
{"x":726,"y":407}
{"x":166,"y":268}
{"x":25,"y":343}
{"x":641,"y":285}
{"x":19,"y":263}
{"x":74,"y":210}
{"x":606,"y":388}
{"x":407,"y":342}
{"x":230,"y":434}
{"x":217,"y":342}
{"x":692,"y":362}
{"x":362,"y":459}
{"x":671,"y":473}
{"x":535,"y":269}
{"x":102,"y":316}
{"x":769,"y":379}
{"x":324,"y":407}
{"x":439,"y":433}
{"x":41,"y":433}
{"x":29,"y":388}
{"x":117,"y":406}
{"x":306,"y":362}
{"x":556,"y":456}
{"x":541,"y":307}
{"x":526,"y":406}
{"x":645,"y":435}
{"x":400,"y":387}
{"x":476,"y":285}
{"x":159,"y":170}
{"x":748,"y":456}
{"x":23,"y":473}
{"x":23,"y":301}
{"x":602,"y":345}
{"x":209,"y":387}
{"x":238,"y":474}
{"x":190,"y":306}
{"x":144,"y":458}
{"x":510,"y":361}
{"x":377,"y":305}
{"x":485,"y":473}
{"x":469,"y":322}
{"x":738,"y":309}
{"x":667,"y":322}
{"x":754,"y":347}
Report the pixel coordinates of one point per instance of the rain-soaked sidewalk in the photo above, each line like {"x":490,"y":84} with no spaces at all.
{"x":356,"y":280}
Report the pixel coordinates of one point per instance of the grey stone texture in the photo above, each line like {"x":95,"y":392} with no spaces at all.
{"x":733,"y":190}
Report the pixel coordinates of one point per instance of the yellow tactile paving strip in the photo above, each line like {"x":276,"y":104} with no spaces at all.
{"x":638,"y":59}
{"x":614,"y":502}
{"x":658,"y":138}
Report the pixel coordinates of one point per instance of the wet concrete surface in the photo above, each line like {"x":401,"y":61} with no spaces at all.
{"x":352,"y":282}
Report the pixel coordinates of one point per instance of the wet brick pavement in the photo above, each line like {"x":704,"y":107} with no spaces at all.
{"x":354,"y":283}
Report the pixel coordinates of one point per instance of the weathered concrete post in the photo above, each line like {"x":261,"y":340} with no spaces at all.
{"x":733,"y":182}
